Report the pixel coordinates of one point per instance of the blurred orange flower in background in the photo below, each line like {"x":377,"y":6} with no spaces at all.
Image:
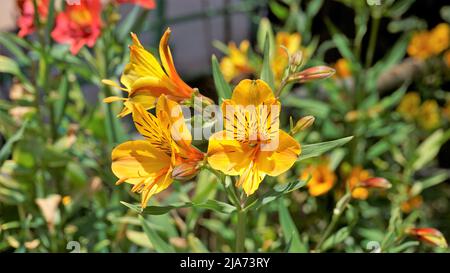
{"x":342,"y":68}
{"x":357,"y":175}
{"x":425,"y":44}
{"x":322,"y":178}
{"x":79,"y":25}
{"x":25,"y":22}
{"x":237,"y":62}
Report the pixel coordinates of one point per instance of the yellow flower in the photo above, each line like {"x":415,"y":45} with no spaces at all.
{"x":149,"y":164}
{"x":236,"y":63}
{"x":428,"y":116}
{"x":145,"y":79}
{"x":322,"y":179}
{"x":252,"y":145}
{"x":409,"y":106}
{"x":419,"y":46}
{"x":439,"y":38}
{"x":343,"y":68}
{"x":358,"y":175}
{"x":285,"y":44}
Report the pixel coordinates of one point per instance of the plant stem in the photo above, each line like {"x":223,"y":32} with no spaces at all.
{"x":373,"y":40}
{"x":241,"y":230}
{"x":341,"y":205}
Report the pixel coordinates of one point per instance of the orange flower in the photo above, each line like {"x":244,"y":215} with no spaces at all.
{"x":357,"y":175}
{"x":343,"y":68}
{"x":322,"y":179}
{"x":147,"y":4}
{"x":430,"y":236}
{"x":439,"y":38}
{"x":150,"y":165}
{"x":419,"y":46}
{"x":412,"y":203}
{"x":25,"y":22}
{"x":79,"y":25}
{"x":145,"y":79}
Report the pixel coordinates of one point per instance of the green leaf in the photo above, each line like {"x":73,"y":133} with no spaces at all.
{"x":158,"y":210}
{"x":158,"y":243}
{"x":63,"y":96}
{"x":8,"y":65}
{"x":290,"y":232}
{"x":5,"y":151}
{"x":310,"y":106}
{"x":399,"y":8}
{"x":336,"y":238}
{"x":266,"y":70}
{"x":13,"y":47}
{"x":436,"y":179}
{"x":317,"y":149}
{"x":279,"y":10}
{"x":264,"y":31}
{"x":50,"y":20}
{"x":342,"y":43}
{"x":275,"y":193}
{"x":429,"y":148}
{"x":222,"y":87}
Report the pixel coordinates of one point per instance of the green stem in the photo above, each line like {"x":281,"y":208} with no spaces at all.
{"x":241,"y":230}
{"x":373,"y":40}
{"x":341,"y":205}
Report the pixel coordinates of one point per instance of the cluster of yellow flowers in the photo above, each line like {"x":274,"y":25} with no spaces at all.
{"x":237,"y":62}
{"x":251,"y":145}
{"x":426,"y":114}
{"x":425,"y":44}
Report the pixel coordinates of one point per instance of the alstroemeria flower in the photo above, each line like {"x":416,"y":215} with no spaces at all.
{"x":237,"y":62}
{"x":252,"y":145}
{"x":149,"y":164}
{"x":79,"y":25}
{"x":430,"y":236}
{"x":145,"y":79}
{"x":25,"y":22}
{"x":147,"y":4}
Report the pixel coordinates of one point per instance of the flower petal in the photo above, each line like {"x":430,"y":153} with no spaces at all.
{"x":137,"y":161}
{"x":252,"y":92}
{"x":167,"y":62}
{"x":279,"y":161}
{"x":227,"y":154}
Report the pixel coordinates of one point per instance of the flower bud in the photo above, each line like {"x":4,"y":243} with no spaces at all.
{"x":311,"y":74}
{"x":295,"y":61}
{"x":375,"y":182}
{"x":430,"y":236}
{"x":303,"y":124}
{"x":185,"y":171}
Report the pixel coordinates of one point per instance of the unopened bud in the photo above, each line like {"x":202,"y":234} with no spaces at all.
{"x":295,"y":61}
{"x":430,"y":236}
{"x":311,"y":74}
{"x":375,"y":182}
{"x":303,"y":124}
{"x":185,"y":171}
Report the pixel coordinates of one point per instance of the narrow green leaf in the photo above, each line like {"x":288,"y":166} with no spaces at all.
{"x":336,"y":238}
{"x":317,"y":149}
{"x":158,"y":243}
{"x":5,"y":151}
{"x":266,"y":71}
{"x":290,"y":232}
{"x":275,"y":193}
{"x":428,"y":149}
{"x":222,"y":87}
{"x":159,"y":210}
